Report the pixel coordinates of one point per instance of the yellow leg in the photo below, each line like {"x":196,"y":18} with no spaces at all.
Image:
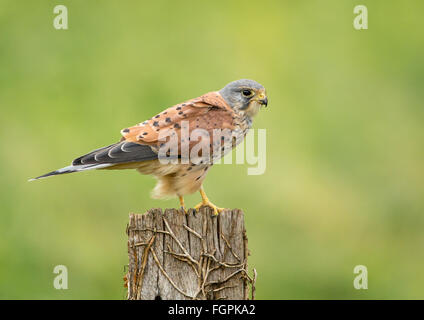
{"x":183,"y":208}
{"x":206,"y":202}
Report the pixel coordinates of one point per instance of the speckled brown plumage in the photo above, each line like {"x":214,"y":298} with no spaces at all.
{"x":208,"y":112}
{"x":231,"y":109}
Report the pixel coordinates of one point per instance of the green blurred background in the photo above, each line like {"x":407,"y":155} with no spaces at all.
{"x":344,"y":183}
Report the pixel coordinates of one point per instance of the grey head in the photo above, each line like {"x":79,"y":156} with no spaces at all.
{"x":245,"y":95}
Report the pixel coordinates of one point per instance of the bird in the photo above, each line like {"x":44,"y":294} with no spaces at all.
{"x":175,"y":145}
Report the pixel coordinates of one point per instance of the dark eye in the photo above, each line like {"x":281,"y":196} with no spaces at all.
{"x":247,"y":93}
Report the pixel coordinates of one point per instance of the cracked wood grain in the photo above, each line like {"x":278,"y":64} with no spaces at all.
{"x":176,"y":256}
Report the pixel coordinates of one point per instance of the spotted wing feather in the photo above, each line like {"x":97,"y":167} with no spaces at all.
{"x":141,"y":142}
{"x":207,"y":112}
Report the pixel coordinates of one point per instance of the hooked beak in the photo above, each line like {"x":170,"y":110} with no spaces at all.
{"x":263,"y":99}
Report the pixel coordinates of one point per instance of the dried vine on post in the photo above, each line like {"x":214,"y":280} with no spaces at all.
{"x":173,"y":255}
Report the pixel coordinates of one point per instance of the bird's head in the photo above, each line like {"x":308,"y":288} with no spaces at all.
{"x":245,"y":95}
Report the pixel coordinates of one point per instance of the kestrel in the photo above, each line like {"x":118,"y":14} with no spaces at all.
{"x":179,"y":145}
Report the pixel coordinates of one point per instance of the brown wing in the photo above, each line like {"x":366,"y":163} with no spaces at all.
{"x":141,"y":142}
{"x":207,"y":112}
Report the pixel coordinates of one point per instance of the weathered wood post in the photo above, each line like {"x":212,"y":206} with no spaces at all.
{"x":173,"y":256}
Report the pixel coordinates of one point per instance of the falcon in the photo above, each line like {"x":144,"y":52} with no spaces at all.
{"x":179,"y":145}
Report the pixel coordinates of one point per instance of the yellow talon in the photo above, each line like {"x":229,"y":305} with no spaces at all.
{"x":183,"y":208}
{"x":207,"y":203}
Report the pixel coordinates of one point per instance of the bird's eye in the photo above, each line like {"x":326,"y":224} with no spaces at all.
{"x":247,"y":93}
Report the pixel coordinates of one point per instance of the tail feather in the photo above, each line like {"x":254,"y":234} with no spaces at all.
{"x":72,"y":168}
{"x":118,"y":153}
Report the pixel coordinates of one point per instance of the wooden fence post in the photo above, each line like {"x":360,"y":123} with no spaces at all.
{"x":177,"y":256}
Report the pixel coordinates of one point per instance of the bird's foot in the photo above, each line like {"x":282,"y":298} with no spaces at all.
{"x":209,"y":204}
{"x":183,"y":208}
